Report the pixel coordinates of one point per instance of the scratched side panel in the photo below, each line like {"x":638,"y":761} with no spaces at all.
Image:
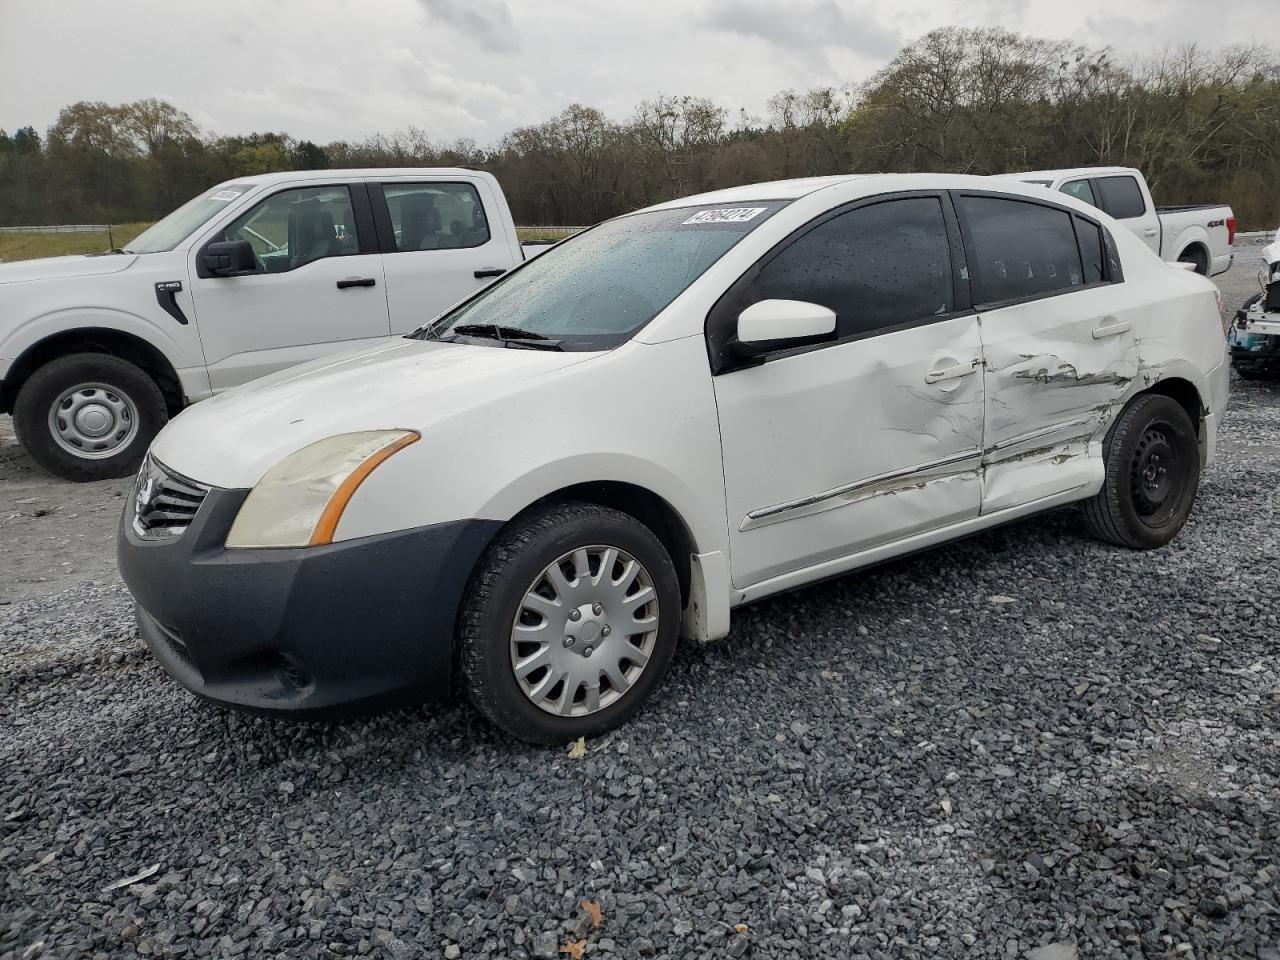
{"x":1052,"y":387}
{"x":843,"y":416}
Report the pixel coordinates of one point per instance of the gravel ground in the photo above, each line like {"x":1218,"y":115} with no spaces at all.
{"x":1023,"y":745}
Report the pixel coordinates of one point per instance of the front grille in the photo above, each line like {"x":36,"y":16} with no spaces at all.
{"x":164,"y":503}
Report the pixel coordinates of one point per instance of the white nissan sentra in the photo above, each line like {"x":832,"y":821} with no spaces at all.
{"x":676,"y":412}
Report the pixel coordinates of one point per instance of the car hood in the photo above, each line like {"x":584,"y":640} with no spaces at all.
{"x":64,"y":268}
{"x":233,"y":439}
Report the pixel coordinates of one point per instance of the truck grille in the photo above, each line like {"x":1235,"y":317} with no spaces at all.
{"x":164,"y":503}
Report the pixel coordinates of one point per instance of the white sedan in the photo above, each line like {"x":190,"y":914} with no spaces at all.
{"x":677,"y":412}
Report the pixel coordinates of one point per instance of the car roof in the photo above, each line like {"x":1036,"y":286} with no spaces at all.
{"x":1066,"y":172}
{"x":293,"y":176}
{"x":769,"y":190}
{"x":889,"y":182}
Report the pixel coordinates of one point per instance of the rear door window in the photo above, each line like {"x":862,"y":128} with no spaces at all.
{"x":1121,"y":197}
{"x":436,"y":216}
{"x":1021,"y":249}
{"x":876,"y":267}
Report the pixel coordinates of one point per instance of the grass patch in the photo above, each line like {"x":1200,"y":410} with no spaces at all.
{"x":28,"y":246}
{"x":533,"y":234}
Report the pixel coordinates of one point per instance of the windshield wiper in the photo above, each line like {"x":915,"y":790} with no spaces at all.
{"x":509,"y":336}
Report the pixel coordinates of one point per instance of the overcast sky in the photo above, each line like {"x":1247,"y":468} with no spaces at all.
{"x":340,"y":69}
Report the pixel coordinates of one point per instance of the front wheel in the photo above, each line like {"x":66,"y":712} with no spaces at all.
{"x":569,"y":623}
{"x":1153,"y":471}
{"x":88,"y":416}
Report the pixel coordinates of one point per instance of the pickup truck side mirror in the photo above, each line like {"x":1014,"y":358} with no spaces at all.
{"x":227,"y":258}
{"x":771,"y":325}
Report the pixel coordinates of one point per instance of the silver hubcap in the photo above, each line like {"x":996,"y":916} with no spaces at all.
{"x":585,"y":631}
{"x":93,"y":420}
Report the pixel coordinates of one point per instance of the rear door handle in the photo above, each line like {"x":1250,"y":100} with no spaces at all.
{"x":951,"y":373}
{"x":484,"y":272}
{"x":1110,"y":327}
{"x":1150,"y":231}
{"x":356,"y":282}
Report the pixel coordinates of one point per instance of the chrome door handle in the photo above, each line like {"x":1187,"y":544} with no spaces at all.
{"x":1110,"y":327}
{"x":951,"y":373}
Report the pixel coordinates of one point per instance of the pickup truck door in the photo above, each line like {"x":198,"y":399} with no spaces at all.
{"x":441,"y":239}
{"x":870,"y":438}
{"x":1058,"y":349}
{"x":318,"y":286}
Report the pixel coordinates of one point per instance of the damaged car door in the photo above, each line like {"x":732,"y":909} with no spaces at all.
{"x":1059,"y":352}
{"x":874,"y":435}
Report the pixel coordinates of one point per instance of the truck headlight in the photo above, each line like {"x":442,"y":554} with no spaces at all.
{"x":300,"y":500}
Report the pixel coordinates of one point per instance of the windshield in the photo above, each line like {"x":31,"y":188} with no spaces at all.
{"x":172,"y":230}
{"x":595,"y":290}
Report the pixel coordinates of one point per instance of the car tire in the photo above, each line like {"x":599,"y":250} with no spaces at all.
{"x":1152,"y":459}
{"x":516,"y":618}
{"x":88,"y":416}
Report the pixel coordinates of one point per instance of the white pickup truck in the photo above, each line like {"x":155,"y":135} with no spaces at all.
{"x":98,"y":352}
{"x":1201,"y":234}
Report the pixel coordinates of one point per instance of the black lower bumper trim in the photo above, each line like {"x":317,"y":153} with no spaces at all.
{"x":357,"y":624}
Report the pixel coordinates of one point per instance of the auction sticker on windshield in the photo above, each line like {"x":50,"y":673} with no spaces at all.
{"x":726,"y":215}
{"x":225,"y":195}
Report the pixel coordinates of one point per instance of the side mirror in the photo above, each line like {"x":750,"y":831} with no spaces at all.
{"x":227,"y":258}
{"x":778,"y":324}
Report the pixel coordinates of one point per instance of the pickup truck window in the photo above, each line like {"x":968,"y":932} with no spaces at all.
{"x":1022,"y":249}
{"x":436,"y":216}
{"x":876,"y":267}
{"x":168,"y":232}
{"x":1121,"y":197}
{"x":294,"y":227}
{"x":596,"y":289}
{"x":1079,"y":189}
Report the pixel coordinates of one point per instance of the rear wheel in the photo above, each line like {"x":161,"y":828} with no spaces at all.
{"x":1152,"y":474}
{"x":569,"y":623}
{"x":88,"y":416}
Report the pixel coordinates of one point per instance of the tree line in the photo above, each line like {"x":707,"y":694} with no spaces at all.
{"x":1202,"y":125}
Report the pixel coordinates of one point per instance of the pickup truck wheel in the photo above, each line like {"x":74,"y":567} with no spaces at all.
{"x":569,"y":623}
{"x":1196,"y":256}
{"x":88,"y":416}
{"x":1153,"y":471}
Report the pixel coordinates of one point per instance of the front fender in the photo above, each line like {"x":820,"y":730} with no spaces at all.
{"x":31,"y":332}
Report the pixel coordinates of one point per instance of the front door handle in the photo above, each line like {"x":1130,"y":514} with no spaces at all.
{"x":356,"y":282}
{"x":484,"y":272}
{"x":1110,"y":327}
{"x":951,"y":373}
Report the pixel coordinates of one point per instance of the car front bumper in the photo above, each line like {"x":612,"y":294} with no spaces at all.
{"x":359,"y":624}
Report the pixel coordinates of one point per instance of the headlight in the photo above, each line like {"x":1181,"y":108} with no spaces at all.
{"x":300,"y":500}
